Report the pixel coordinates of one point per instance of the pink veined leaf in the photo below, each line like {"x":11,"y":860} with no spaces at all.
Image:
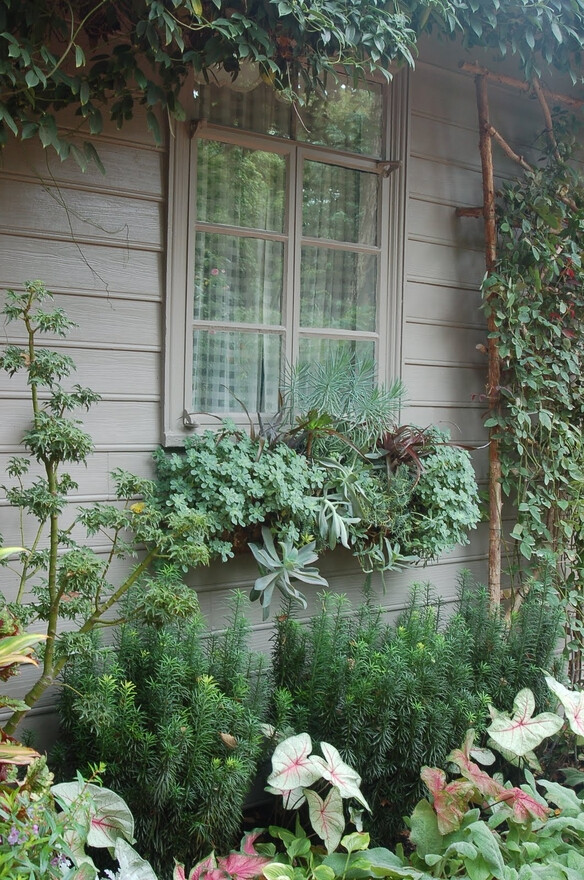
{"x":247,"y":844}
{"x":215,"y":874}
{"x":202,"y":868}
{"x":327,"y":817}
{"x":450,"y":801}
{"x":243,"y":866}
{"x":291,"y":766}
{"x":523,"y":732}
{"x":334,"y":770}
{"x":573,"y":703}
{"x":179,"y":872}
{"x":486,"y":786}
{"x":525,"y":807}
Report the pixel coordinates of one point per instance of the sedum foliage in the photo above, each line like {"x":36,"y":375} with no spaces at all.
{"x":238,"y":486}
{"x":176,"y":718}
{"x":393,"y":698}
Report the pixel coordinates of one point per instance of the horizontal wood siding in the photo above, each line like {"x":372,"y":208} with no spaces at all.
{"x":98,"y":241}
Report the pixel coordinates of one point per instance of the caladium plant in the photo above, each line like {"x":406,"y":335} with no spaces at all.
{"x":243,"y":865}
{"x":522,"y":732}
{"x":295,"y":769}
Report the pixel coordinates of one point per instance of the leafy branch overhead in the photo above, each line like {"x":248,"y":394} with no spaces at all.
{"x":125,"y":53}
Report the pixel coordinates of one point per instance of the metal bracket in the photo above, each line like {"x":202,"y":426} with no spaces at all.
{"x":386,"y":168}
{"x":188,"y":421}
{"x":195,"y":125}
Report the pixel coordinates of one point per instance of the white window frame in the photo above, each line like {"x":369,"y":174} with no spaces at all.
{"x":178,"y":422}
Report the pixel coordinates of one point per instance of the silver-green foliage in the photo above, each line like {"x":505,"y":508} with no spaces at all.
{"x":239,"y":485}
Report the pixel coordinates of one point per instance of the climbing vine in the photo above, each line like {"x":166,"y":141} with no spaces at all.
{"x":120,"y":54}
{"x":535,"y":298}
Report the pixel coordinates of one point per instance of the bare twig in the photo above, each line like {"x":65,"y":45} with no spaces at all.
{"x":549,"y":126}
{"x":521,"y":85}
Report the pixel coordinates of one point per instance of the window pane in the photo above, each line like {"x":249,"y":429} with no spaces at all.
{"x":238,"y":279}
{"x":337,"y":289}
{"x":313,"y":350}
{"x":339,"y":203}
{"x":234,"y":365}
{"x":259,"y":110}
{"x":348,"y":117}
{"x":240,"y":187}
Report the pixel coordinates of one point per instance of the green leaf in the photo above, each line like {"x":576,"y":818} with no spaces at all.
{"x":424,"y":832}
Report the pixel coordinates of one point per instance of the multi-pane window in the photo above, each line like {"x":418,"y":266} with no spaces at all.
{"x":279,"y":245}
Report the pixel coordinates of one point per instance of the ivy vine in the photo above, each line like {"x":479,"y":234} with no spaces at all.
{"x":536,"y":298}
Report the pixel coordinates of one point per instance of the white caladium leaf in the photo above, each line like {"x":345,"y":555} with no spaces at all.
{"x":326,"y":816}
{"x":334,"y":770}
{"x":573,"y":703}
{"x":291,"y":765}
{"x":523,"y":732}
{"x":132,"y":865}
{"x":291,"y":800}
{"x":109,"y":815}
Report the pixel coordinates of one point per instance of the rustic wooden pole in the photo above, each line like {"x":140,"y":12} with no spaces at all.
{"x":520,"y":84}
{"x":494,"y":363}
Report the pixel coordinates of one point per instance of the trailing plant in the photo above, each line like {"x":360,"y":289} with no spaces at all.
{"x":534,"y":299}
{"x":328,"y":475}
{"x":392,"y":698}
{"x":53,"y":54}
{"x":58,"y":577}
{"x":177,"y":720}
{"x":240,"y":486}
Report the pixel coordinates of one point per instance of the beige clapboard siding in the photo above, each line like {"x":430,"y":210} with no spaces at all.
{"x":114,"y":424}
{"x":81,"y":214}
{"x":132,"y":373}
{"x":73,"y":265}
{"x":437,"y":305}
{"x":135,"y":170}
{"x":95,"y":481}
{"x":123,"y":322}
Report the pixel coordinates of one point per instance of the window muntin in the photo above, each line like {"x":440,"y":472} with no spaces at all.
{"x":218,"y":330}
{"x":284,"y":245}
{"x":346,"y":116}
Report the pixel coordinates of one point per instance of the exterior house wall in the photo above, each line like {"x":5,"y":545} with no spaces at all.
{"x":98,"y":242}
